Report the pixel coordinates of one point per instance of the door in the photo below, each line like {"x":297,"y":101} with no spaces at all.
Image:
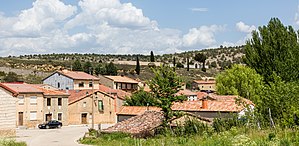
{"x":48,"y":117}
{"x":21,"y":118}
{"x":84,"y":118}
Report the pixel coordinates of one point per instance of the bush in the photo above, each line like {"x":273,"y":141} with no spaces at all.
{"x":9,"y":142}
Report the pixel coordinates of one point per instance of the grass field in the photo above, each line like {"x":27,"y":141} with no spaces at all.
{"x":233,"y":137}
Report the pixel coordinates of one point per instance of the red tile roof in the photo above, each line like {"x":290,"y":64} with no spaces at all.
{"x":136,"y":110}
{"x":120,"y":93}
{"x":138,"y":126}
{"x":76,"y":95}
{"x":185,"y":92}
{"x":53,"y":92}
{"x":122,"y":79}
{"x":201,"y":95}
{"x":79,"y":75}
{"x":205,"y":82}
{"x":22,"y":88}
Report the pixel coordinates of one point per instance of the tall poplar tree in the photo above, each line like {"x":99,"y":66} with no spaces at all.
{"x":137,"y":69}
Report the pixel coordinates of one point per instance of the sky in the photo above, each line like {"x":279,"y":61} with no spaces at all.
{"x":134,"y":26}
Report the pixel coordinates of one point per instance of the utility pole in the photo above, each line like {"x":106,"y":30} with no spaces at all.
{"x":92,"y":103}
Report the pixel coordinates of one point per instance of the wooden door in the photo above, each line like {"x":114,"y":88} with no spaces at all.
{"x":84,"y":118}
{"x":21,"y":115}
{"x":48,"y":117}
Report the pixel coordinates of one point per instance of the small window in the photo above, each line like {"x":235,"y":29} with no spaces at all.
{"x":59,"y":101}
{"x":21,"y":100}
{"x":33,"y":100}
{"x":84,"y":104}
{"x":90,"y":84}
{"x":123,"y":86}
{"x":81,"y":84}
{"x":33,"y":115}
{"x":58,"y":85}
{"x":129,"y":86}
{"x":59,"y":117}
{"x":100,"y":105}
{"x":48,"y":101}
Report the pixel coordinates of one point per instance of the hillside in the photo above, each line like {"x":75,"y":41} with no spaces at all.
{"x":42,"y":64}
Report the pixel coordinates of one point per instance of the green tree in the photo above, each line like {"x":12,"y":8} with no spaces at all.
{"x":179,"y":65}
{"x":100,"y":69}
{"x":140,"y":98}
{"x":152,"y":57}
{"x":77,"y":66}
{"x":87,"y":67}
{"x":281,"y":99}
{"x":200,"y":57}
{"x":274,"y":50}
{"x":11,"y":77}
{"x":188,"y":68}
{"x":239,"y":80}
{"x":111,"y":69}
{"x":164,"y":85}
{"x":174,"y":63}
{"x":137,"y":69}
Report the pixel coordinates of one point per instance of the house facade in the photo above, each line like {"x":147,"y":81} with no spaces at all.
{"x":32,"y":107}
{"x":80,"y":107}
{"x":72,"y":80}
{"x":191,"y":96}
{"x":120,"y":82}
{"x":204,"y":85}
{"x":7,"y":112}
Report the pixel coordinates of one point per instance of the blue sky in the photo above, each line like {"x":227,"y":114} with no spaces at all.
{"x":133,"y":26}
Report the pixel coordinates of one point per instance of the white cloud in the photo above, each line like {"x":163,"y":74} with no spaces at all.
{"x":94,"y":26}
{"x":199,"y":9}
{"x":241,"y":26}
{"x":204,"y":35}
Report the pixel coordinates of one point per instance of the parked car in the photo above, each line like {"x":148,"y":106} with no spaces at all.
{"x":50,"y":124}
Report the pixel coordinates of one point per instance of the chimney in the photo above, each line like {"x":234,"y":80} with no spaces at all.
{"x":204,"y":103}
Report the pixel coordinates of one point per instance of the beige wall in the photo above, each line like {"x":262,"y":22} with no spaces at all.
{"x":27,"y":107}
{"x":7,"y":114}
{"x":107,"y":116}
{"x":210,"y":87}
{"x":54,"y":109}
{"x":86,"y":84}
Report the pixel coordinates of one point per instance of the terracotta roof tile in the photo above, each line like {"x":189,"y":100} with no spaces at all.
{"x":22,"y":88}
{"x":76,"y":95}
{"x":205,"y":82}
{"x":78,"y":75}
{"x":138,"y":126}
{"x":185,"y":92}
{"x":136,"y":110}
{"x":122,"y":79}
{"x":120,"y":93}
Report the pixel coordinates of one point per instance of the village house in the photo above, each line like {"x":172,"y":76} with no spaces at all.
{"x":191,"y":96}
{"x":120,"y":82}
{"x":212,"y":106}
{"x":205,"y":85}
{"x":8,"y":116}
{"x":32,"y":104}
{"x":72,"y":80}
{"x":80,"y":107}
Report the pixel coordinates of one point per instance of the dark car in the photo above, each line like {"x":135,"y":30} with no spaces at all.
{"x":50,"y":124}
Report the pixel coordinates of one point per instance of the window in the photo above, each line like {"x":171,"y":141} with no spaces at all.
{"x":48,"y":101}
{"x":58,"y":85}
{"x":84,"y":104}
{"x":33,"y":115}
{"x":59,"y":101}
{"x":33,"y":100}
{"x":81,"y":84}
{"x":210,"y":86}
{"x":90,"y":84}
{"x":129,"y":86}
{"x":123,"y":86}
{"x":100,"y":105}
{"x":59,"y":116}
{"x":21,"y":100}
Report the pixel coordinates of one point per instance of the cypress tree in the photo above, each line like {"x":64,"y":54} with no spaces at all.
{"x":152,"y":57}
{"x":137,"y":69}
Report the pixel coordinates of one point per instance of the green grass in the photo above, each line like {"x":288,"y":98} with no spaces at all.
{"x":10,"y":142}
{"x":233,"y":137}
